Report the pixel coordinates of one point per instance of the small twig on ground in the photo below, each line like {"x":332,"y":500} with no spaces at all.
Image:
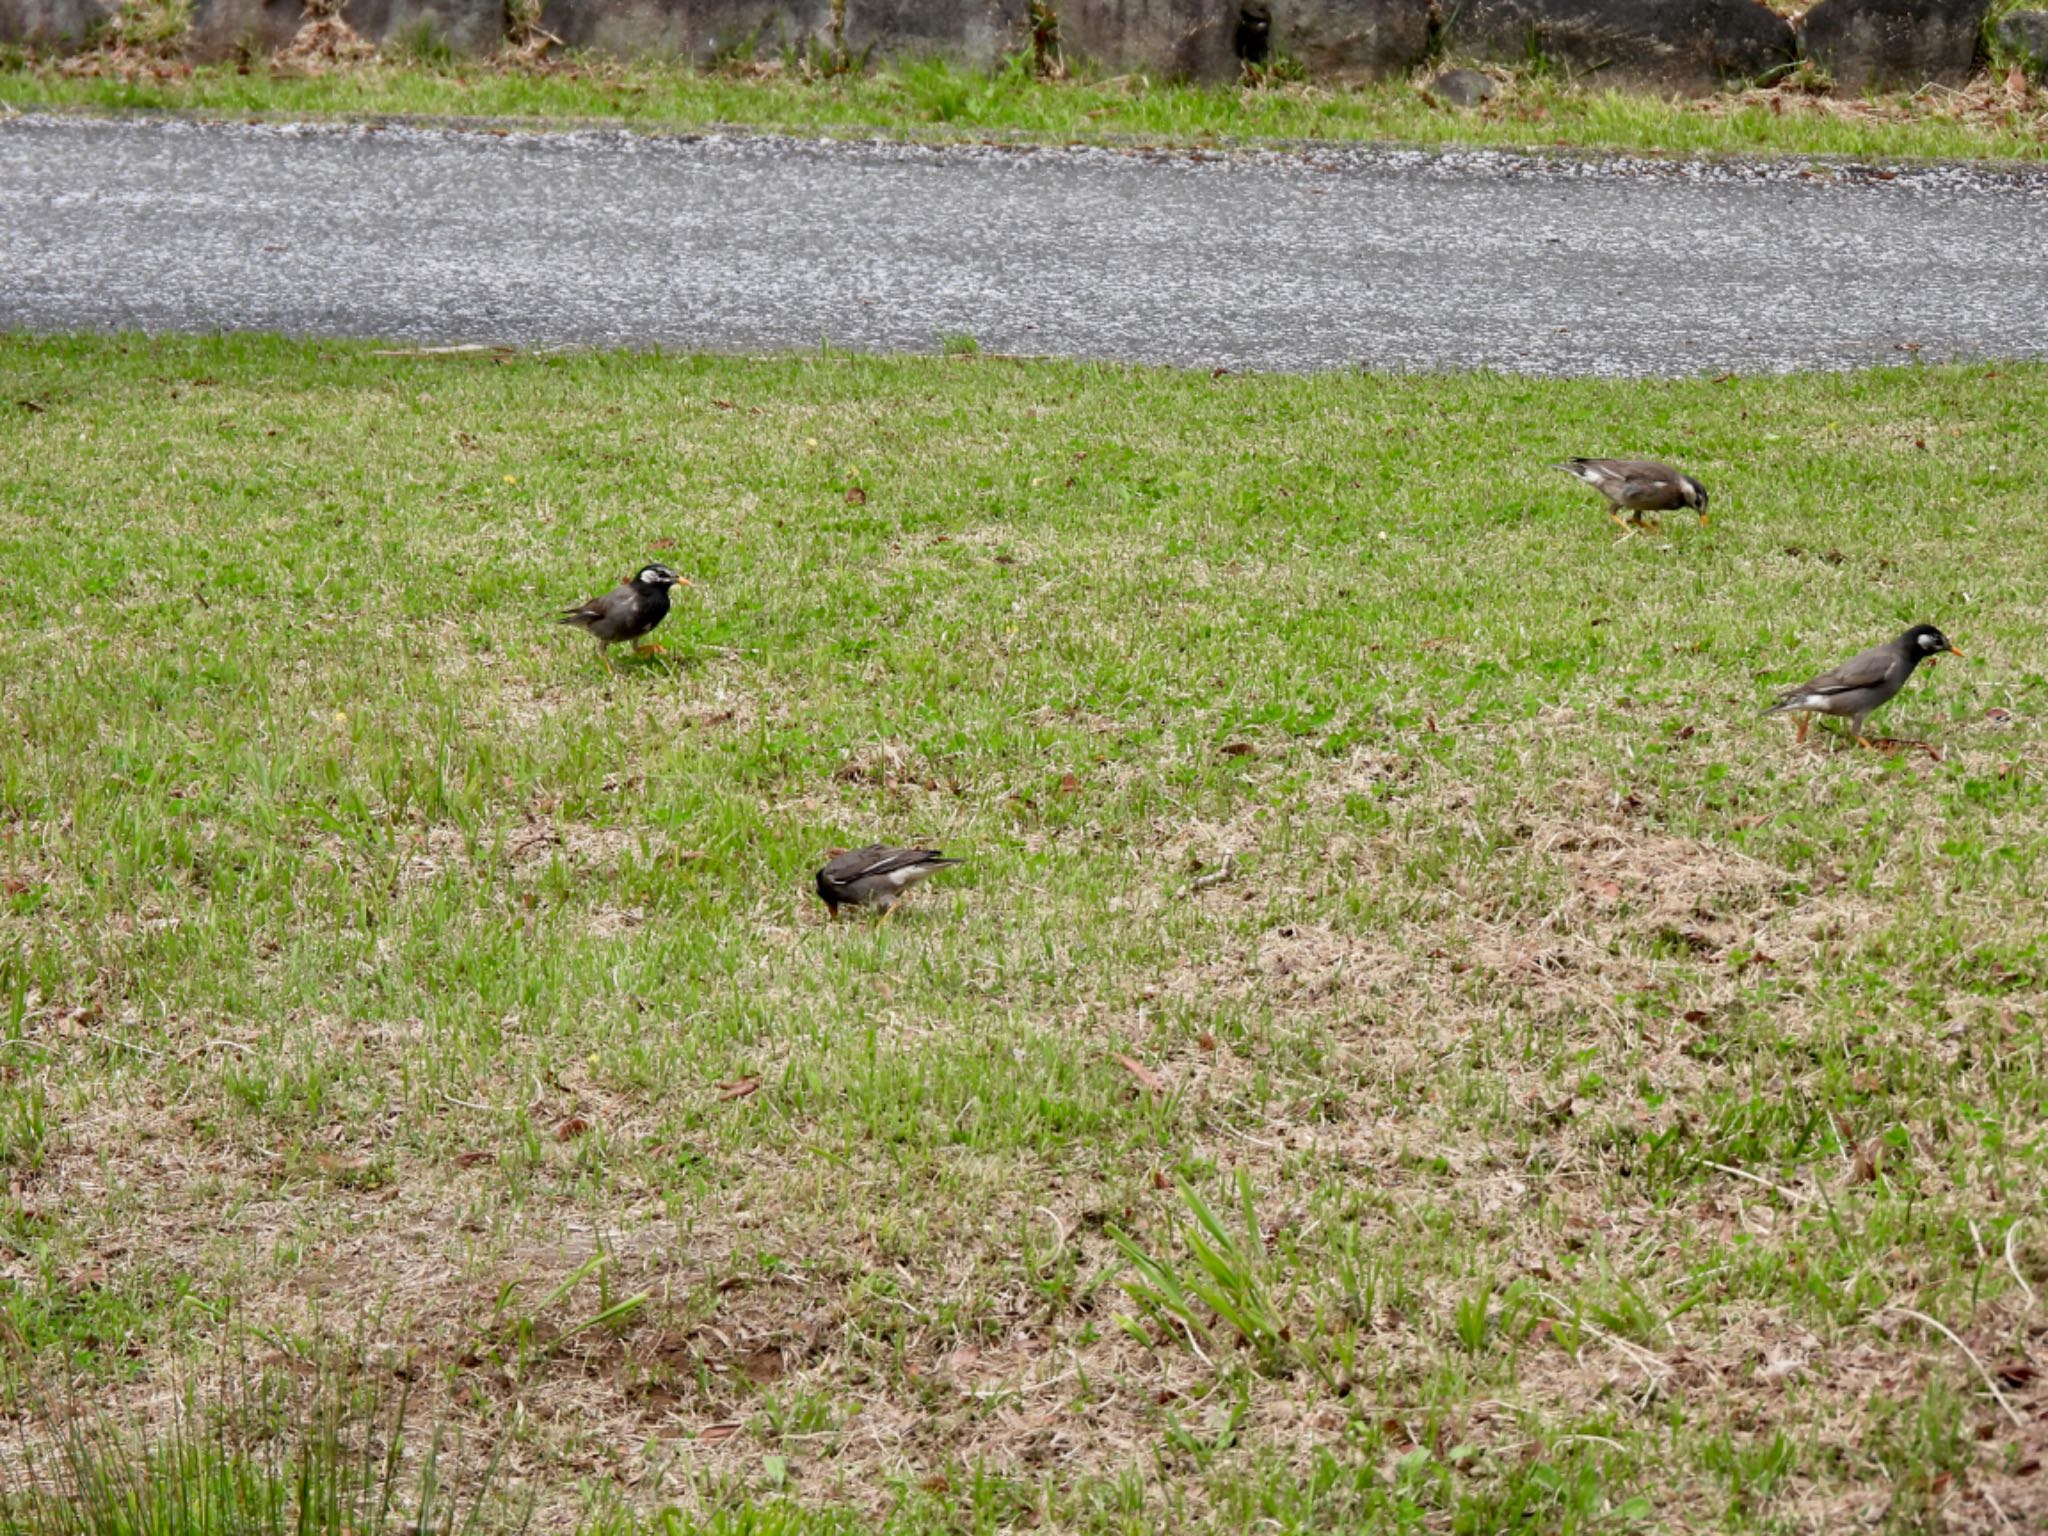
{"x":1596,"y":1439}
{"x":1740,"y":1173}
{"x":213,"y":1045}
{"x":2011,"y":1233}
{"x":1651,"y":1367}
{"x":1946,"y":1332}
{"x":1215,"y":877}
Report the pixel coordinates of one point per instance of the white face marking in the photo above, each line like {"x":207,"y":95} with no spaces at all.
{"x":1928,"y":642}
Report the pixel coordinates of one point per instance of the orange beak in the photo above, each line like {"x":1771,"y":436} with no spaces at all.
{"x":1960,"y":656}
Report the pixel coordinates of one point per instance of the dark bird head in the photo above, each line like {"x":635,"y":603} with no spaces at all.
{"x":659,"y":576}
{"x":1695,"y":496}
{"x":1923,"y":641}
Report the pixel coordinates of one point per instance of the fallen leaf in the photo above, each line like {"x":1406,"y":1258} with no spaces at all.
{"x":474,"y":1159}
{"x":1869,"y":1162}
{"x":711,"y":1434}
{"x":1239,"y":749}
{"x":1069,"y":784}
{"x":738,"y":1088}
{"x":35,"y":406}
{"x":2016,"y":1372}
{"x":856,"y":497}
{"x":764,"y":1364}
{"x":1146,"y":1077}
{"x":571,"y":1128}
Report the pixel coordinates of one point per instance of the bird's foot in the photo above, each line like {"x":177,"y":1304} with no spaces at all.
{"x":1804,"y":722}
{"x":650,"y":649}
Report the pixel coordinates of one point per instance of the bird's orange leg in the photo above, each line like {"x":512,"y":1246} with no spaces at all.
{"x":1805,"y":720}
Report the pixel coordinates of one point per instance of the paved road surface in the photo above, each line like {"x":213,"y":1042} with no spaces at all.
{"x":1323,"y":258}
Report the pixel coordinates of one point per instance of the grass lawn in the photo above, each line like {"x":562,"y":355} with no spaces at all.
{"x":1410,"y":1050}
{"x":934,"y":101}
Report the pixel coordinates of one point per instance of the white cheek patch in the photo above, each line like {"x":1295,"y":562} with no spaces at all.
{"x":1927,"y":642}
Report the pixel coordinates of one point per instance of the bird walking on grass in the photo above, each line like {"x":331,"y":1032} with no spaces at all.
{"x":876,"y":876}
{"x":1639,"y":487}
{"x":629,"y":613}
{"x":1864,"y":683}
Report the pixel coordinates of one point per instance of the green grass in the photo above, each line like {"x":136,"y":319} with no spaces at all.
{"x":1532,"y":1129}
{"x":935,"y":101}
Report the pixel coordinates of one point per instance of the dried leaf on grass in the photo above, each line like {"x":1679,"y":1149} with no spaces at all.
{"x":1145,"y":1076}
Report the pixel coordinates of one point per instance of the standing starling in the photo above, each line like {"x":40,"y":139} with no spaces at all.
{"x":631,"y":611}
{"x":1865,"y":682}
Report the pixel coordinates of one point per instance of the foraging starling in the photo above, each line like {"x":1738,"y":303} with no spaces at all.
{"x":1638,"y":486}
{"x":1864,"y":683}
{"x":630,"y":611}
{"x":876,"y":876}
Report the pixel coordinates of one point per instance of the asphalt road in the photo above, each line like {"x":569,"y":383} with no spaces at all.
{"x":1322,"y":258}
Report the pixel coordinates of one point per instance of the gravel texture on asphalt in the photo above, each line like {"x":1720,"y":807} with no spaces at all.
{"x":1311,"y":258}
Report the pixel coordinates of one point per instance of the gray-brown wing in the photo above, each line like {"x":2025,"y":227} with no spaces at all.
{"x":1864,"y":670}
{"x":874,"y":860}
{"x":598,"y":610}
{"x":1644,"y":482}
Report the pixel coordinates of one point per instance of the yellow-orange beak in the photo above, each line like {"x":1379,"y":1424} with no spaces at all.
{"x":1959,"y":655}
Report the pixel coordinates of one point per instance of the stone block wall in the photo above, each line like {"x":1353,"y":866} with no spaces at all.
{"x":1669,"y":46}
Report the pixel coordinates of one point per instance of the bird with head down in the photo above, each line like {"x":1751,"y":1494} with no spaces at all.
{"x":876,"y":876}
{"x":1639,"y":487}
